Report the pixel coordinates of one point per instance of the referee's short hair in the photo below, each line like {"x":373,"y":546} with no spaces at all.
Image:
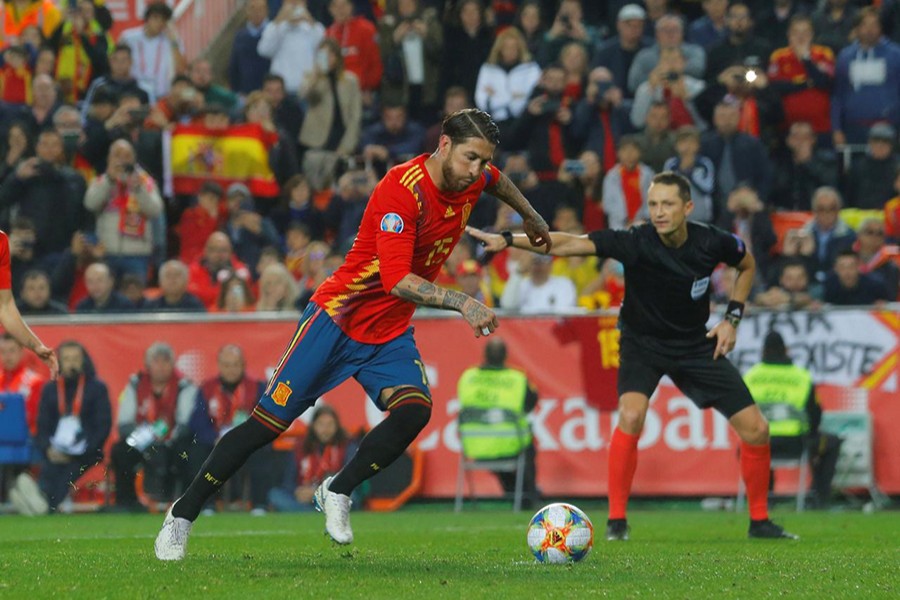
{"x":470,"y":123}
{"x":676,"y":179}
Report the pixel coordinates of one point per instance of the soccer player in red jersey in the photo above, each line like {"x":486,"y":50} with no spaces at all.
{"x":10,"y":318}
{"x":357,"y":323}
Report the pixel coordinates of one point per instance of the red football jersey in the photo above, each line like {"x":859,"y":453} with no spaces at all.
{"x":811,"y":104}
{"x":409,"y":226}
{"x":5,"y":272}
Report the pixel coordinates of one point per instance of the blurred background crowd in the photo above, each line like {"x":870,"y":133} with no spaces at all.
{"x":782,"y":114}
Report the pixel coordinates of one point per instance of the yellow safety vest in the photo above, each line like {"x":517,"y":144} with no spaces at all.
{"x":781,"y":391}
{"x":486,"y":389}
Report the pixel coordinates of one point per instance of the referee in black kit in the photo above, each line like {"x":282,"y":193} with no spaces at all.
{"x":668,"y":263}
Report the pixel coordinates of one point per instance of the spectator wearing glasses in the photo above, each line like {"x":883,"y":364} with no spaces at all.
{"x":824,"y":237}
{"x":870,"y":184}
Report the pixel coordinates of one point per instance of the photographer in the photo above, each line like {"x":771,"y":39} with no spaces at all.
{"x":49,"y":194}
{"x":568,"y":26}
{"x":153,"y":424}
{"x":545,"y":129}
{"x":125,"y":200}
{"x":182,"y":105}
{"x":822,"y":238}
{"x":669,"y":83}
{"x":600,"y":118}
{"x":345,"y":211}
{"x":22,"y":237}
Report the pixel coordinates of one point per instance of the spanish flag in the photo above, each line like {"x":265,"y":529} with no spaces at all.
{"x":239,"y":153}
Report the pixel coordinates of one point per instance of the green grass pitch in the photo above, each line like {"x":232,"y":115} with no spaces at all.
{"x":430,"y":552}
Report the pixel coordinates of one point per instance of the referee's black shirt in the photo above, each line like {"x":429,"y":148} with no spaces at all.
{"x":667,"y":289}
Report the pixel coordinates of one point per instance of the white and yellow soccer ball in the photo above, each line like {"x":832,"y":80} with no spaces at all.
{"x":560,"y":533}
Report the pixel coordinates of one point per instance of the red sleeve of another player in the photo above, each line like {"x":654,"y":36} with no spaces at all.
{"x":5,"y":275}
{"x":395,"y":212}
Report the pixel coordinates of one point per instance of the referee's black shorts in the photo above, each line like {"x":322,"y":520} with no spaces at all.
{"x":643,"y":360}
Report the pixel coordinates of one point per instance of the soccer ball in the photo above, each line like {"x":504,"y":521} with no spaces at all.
{"x":560,"y":533}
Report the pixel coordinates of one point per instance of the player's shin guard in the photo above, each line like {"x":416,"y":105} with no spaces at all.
{"x":755,"y":461}
{"x":623,"y":453}
{"x":409,"y":411}
{"x":227,"y":457}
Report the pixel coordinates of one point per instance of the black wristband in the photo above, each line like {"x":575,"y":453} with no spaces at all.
{"x":734,"y":313}
{"x":507,"y":237}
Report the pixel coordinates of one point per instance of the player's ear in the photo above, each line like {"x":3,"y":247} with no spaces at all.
{"x":444,"y":144}
{"x":688,"y":207}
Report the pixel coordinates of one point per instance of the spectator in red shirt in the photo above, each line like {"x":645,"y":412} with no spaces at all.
{"x":322,"y":453}
{"x":199,"y":221}
{"x":217,"y":264}
{"x":15,"y":76}
{"x":803,"y":73}
{"x":357,"y":37}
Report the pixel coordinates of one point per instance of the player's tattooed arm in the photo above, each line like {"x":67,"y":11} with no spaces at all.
{"x":423,"y":292}
{"x":534,"y":224}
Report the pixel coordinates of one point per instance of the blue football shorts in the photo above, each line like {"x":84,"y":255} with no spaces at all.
{"x":320,"y":356}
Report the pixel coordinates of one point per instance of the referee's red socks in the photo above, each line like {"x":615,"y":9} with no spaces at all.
{"x":622,"y":464}
{"x":755,"y":461}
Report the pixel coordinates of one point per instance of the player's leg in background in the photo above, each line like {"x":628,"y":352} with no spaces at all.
{"x":623,"y":451}
{"x":756,"y":457}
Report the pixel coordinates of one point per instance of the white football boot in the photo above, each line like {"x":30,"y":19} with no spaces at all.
{"x":337,"y":512}
{"x":171,"y":543}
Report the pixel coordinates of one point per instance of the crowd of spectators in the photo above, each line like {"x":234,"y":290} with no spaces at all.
{"x":769,"y":108}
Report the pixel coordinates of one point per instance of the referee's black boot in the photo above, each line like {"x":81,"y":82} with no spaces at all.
{"x":617,"y":530}
{"x":766,"y":529}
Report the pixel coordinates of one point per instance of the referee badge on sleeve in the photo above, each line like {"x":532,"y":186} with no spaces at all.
{"x":698,"y":289}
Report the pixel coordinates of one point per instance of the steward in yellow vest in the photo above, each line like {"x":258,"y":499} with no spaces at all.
{"x":787,"y":397}
{"x":483,"y":392}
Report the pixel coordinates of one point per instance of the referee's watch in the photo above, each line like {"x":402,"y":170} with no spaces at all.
{"x":507,"y":237}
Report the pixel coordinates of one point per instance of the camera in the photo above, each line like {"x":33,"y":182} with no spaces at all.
{"x":128,"y":169}
{"x":672,"y":76}
{"x":574,"y":167}
{"x":551,"y":106}
{"x":750,"y":76}
{"x":44,"y":168}
{"x":139,"y":114}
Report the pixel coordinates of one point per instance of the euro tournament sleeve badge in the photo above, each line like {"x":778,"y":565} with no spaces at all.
{"x":392,"y":222}
{"x":281,"y":394}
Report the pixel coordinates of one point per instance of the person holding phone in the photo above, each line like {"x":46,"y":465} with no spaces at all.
{"x":125,"y":200}
{"x":43,"y":185}
{"x":670,"y":83}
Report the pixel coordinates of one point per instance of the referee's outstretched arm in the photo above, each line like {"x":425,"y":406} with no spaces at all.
{"x":562,"y":244}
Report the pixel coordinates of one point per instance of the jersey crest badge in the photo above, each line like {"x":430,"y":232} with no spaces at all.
{"x":392,"y":222}
{"x":699,"y":288}
{"x":281,"y":394}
